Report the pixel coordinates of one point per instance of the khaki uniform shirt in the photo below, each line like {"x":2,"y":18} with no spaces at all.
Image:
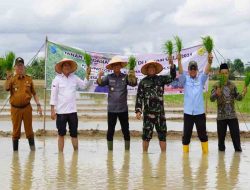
{"x":21,"y":89}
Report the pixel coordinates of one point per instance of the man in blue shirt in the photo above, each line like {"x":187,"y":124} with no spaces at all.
{"x":194,"y":112}
{"x":117,"y":98}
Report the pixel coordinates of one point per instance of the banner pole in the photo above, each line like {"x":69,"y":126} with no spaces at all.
{"x":45,"y":84}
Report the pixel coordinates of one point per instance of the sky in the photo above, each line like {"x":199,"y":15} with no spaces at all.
{"x":125,"y":26}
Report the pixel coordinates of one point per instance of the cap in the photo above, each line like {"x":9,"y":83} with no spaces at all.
{"x":19,"y":60}
{"x":192,"y":65}
{"x":223,"y":66}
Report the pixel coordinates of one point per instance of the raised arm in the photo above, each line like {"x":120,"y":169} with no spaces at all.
{"x":7,"y":84}
{"x":179,"y":64}
{"x":139,"y":101}
{"x":131,"y":78}
{"x":182,"y":76}
{"x":102,"y":81}
{"x":210,"y":61}
{"x":84,"y":84}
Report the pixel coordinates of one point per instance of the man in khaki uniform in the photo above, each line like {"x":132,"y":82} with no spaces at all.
{"x":21,"y":91}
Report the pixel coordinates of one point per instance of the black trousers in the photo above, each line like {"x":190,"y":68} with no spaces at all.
{"x":234,"y":132}
{"x":200,"y":123}
{"x":112,"y":119}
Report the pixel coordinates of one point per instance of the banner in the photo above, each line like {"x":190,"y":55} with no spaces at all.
{"x":56,"y":52}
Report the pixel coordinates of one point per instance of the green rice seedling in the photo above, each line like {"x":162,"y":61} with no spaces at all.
{"x":208,"y":43}
{"x":87,"y":58}
{"x":178,"y":43}
{"x":131,"y":63}
{"x":9,"y":61}
{"x":168,"y":47}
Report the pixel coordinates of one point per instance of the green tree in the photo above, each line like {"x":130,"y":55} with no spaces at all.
{"x":2,"y":70}
{"x":239,"y":66}
{"x":36,"y":69}
{"x":247,"y":69}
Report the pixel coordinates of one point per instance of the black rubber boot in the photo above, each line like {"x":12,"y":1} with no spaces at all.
{"x":15,"y":145}
{"x":32,"y":144}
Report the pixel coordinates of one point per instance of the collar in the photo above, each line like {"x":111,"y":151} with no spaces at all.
{"x":20,"y":76}
{"x":66,"y":76}
{"x":120,"y":75}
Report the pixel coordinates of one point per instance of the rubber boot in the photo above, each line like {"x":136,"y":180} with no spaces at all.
{"x":110,"y":145}
{"x":15,"y":145}
{"x":127,"y":145}
{"x":32,"y":144}
{"x":185,"y":148}
{"x":204,"y":146}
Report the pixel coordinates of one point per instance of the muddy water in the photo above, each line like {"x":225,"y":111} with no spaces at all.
{"x":93,"y":167}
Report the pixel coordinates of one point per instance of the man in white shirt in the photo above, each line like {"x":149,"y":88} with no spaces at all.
{"x":63,"y":100}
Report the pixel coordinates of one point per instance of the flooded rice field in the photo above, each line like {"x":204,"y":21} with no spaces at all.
{"x":93,"y":167}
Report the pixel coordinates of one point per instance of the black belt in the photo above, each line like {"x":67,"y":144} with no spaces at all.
{"x":20,"y":106}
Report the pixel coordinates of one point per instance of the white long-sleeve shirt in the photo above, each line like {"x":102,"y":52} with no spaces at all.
{"x":63,"y":92}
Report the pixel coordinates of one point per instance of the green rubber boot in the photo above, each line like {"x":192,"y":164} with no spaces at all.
{"x":127,"y":145}
{"x":110,"y":145}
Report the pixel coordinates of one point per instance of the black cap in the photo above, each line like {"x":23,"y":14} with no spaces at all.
{"x":192,"y":65}
{"x":19,"y":60}
{"x":223,"y":66}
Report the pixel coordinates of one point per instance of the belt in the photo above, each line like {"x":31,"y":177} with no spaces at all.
{"x":20,"y":106}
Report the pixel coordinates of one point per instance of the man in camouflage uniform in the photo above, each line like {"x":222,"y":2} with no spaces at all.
{"x":150,"y":98}
{"x":225,"y":92}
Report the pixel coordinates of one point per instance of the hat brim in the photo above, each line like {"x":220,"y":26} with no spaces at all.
{"x":158,"y":66}
{"x":109,"y":66}
{"x":73,"y":65}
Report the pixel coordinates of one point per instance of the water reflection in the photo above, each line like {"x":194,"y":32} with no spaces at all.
{"x":73,"y":171}
{"x":110,"y":171}
{"x":124,"y":172}
{"x":195,"y":179}
{"x":22,"y":180}
{"x":227,"y":179}
{"x":118,"y":178}
{"x":16,"y":172}
{"x":187,"y":172}
{"x":161,"y":171}
{"x":201,"y":174}
{"x":67,"y":178}
{"x":155,"y":178}
{"x":95,"y":168}
{"x":61,"y":175}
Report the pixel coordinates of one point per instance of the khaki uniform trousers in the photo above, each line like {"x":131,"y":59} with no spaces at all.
{"x":17,"y":116}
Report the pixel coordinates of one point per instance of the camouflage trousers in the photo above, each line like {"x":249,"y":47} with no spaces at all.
{"x":157,"y":120}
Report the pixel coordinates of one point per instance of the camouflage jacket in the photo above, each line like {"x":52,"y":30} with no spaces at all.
{"x":225,"y":102}
{"x":150,"y":93}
